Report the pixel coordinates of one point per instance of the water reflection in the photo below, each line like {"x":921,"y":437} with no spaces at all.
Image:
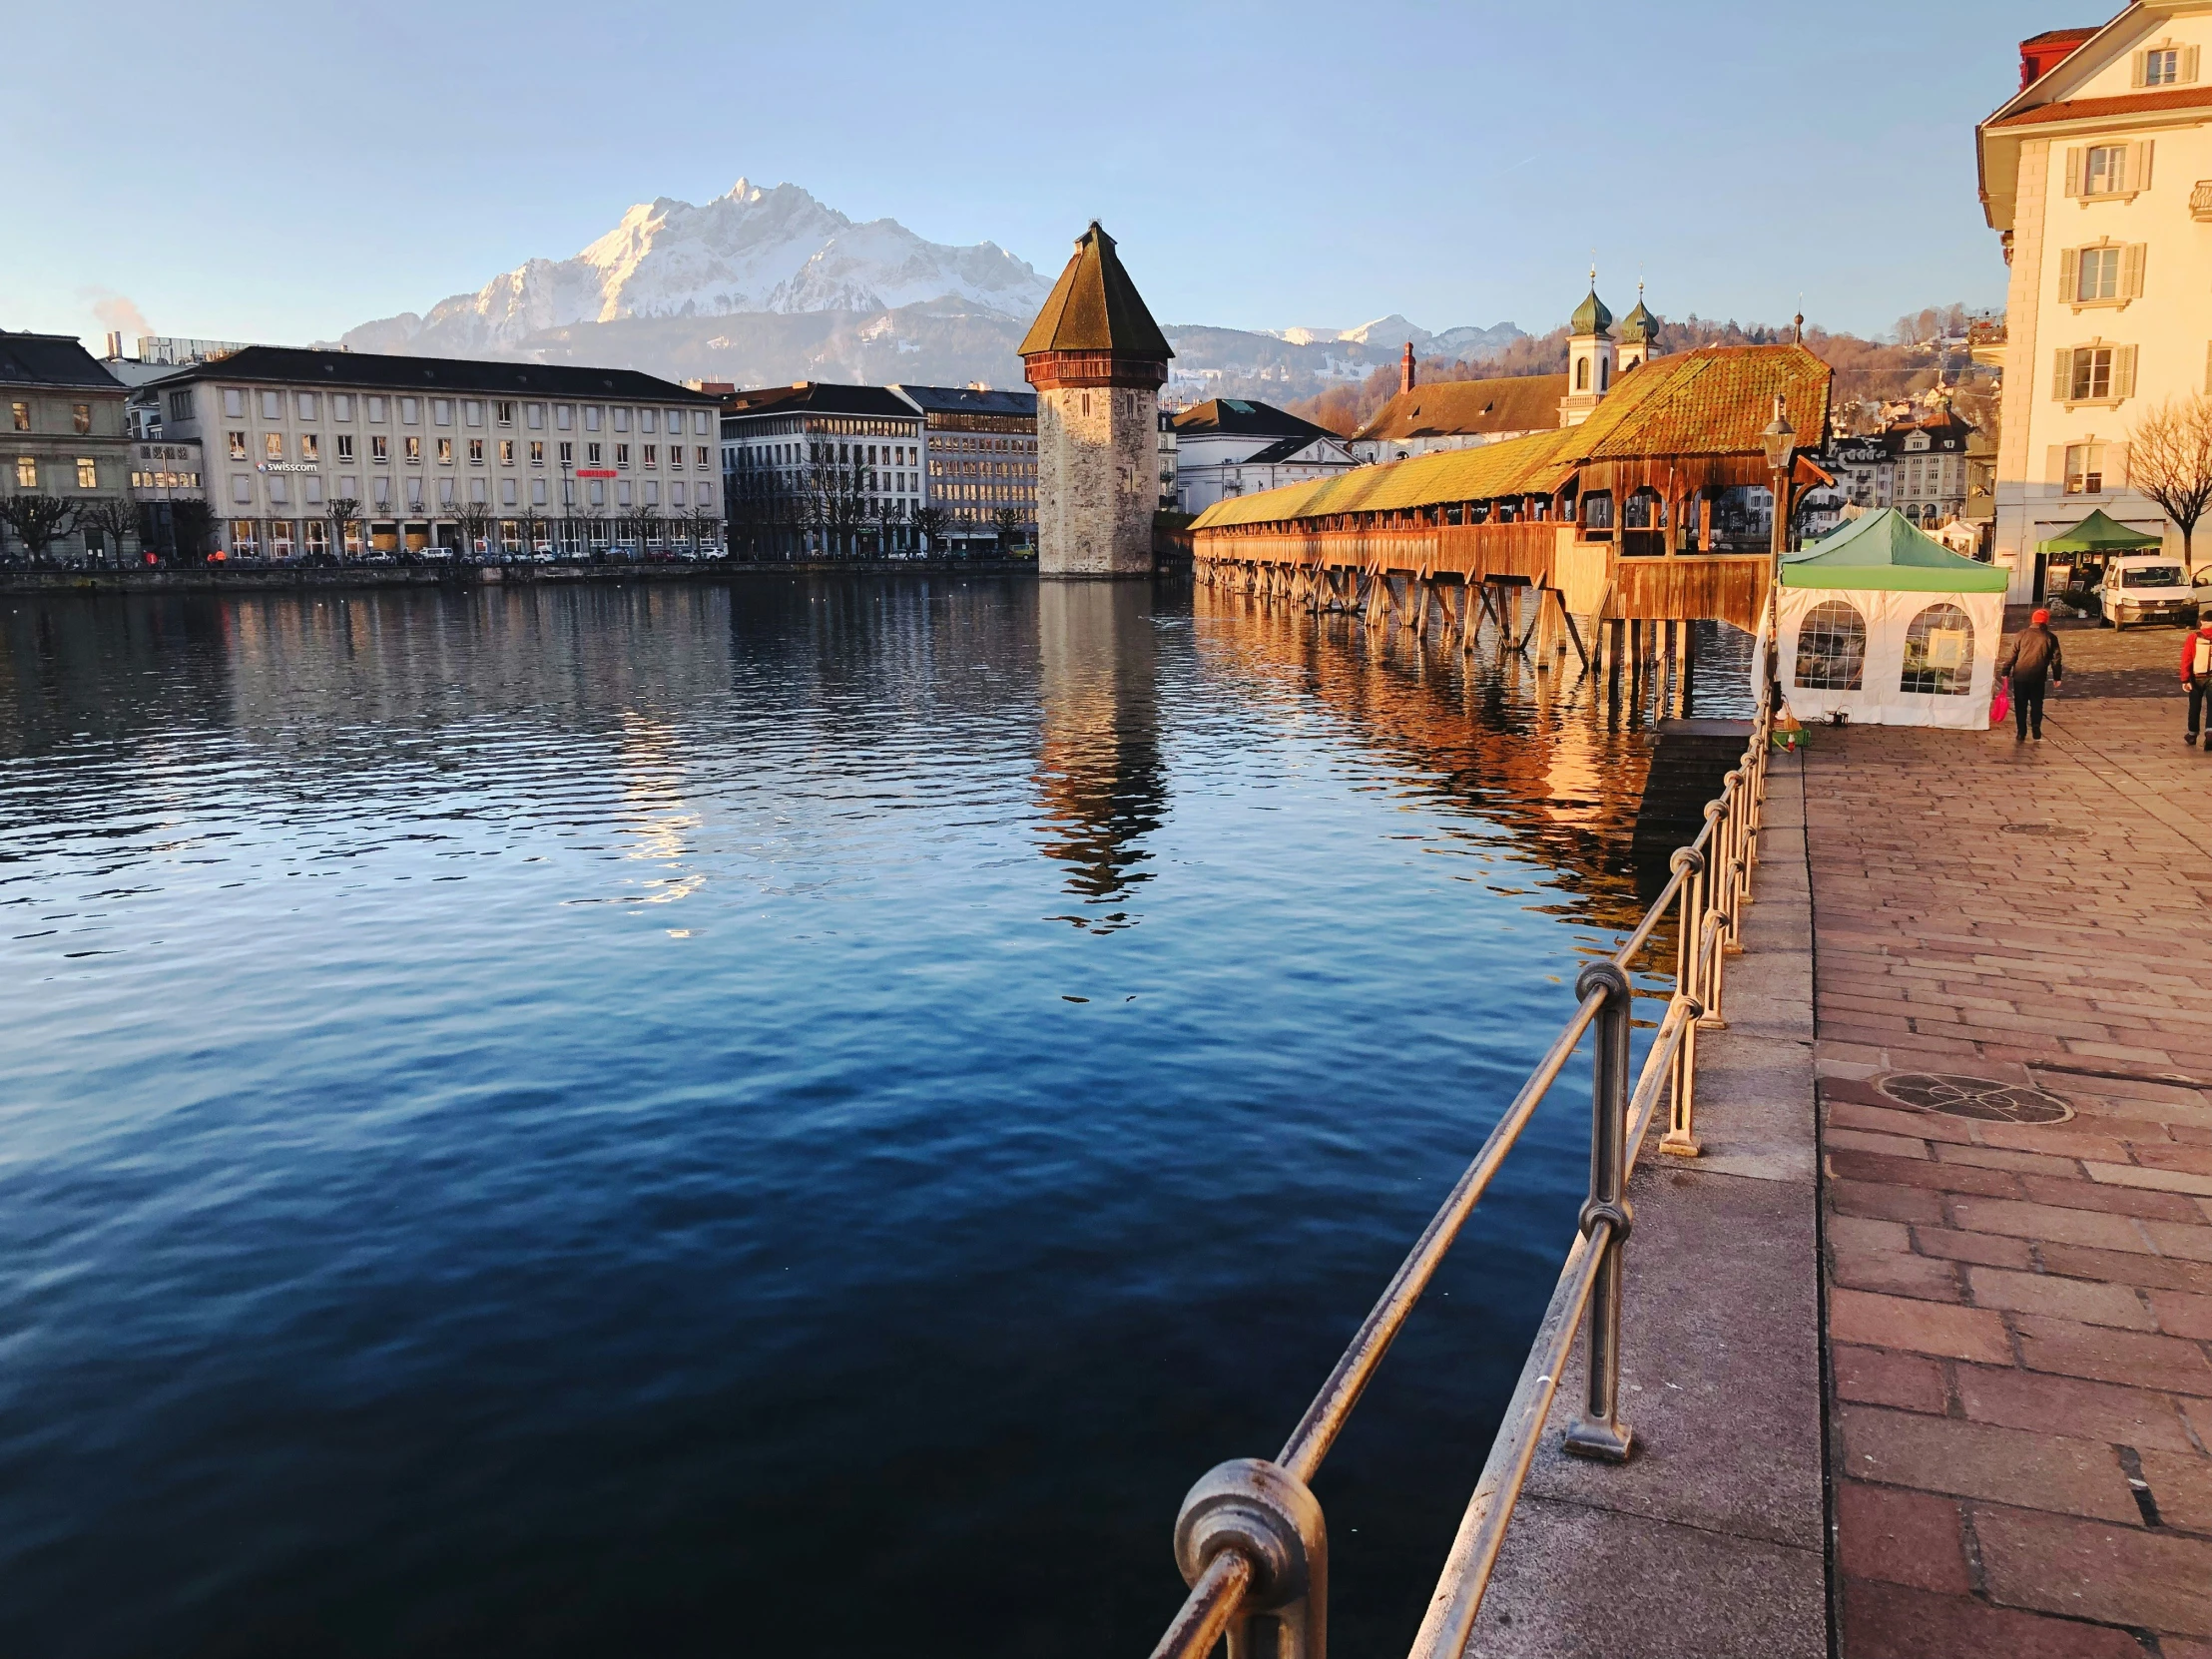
{"x":1101,"y":783}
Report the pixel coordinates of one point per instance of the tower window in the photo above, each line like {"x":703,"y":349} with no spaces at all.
{"x":1581,"y":374}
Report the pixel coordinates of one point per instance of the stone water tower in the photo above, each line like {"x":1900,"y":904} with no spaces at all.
{"x":1097,"y":360}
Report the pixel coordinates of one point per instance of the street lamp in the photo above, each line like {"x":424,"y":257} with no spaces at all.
{"x":1779,"y":439}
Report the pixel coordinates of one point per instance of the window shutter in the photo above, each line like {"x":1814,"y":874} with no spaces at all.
{"x":2115,"y":464}
{"x":2069,"y":272}
{"x":2123,"y":371}
{"x":2137,"y":65}
{"x":2054,"y":464}
{"x":2138,"y":165}
{"x":2074,"y":160}
{"x":2131,"y":269}
{"x":2208,"y":370}
{"x":2189,"y":63}
{"x":2061,"y":374}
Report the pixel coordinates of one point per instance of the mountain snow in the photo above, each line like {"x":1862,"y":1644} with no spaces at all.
{"x":751,"y":251}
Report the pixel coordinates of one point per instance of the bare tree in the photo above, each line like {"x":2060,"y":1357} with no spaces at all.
{"x":2169,"y":459}
{"x":39,"y":520}
{"x":191,"y":524}
{"x":474,"y":519}
{"x":930,"y":522}
{"x":1006,"y":523}
{"x":344,"y":514}
{"x":114,"y":517}
{"x":704,"y":523}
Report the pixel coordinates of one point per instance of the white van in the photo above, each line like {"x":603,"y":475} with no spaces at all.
{"x":2144,"y":586}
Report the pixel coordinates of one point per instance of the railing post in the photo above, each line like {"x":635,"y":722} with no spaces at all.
{"x":1736,"y":877}
{"x":1266,"y":1515}
{"x":1680,"y":1141}
{"x":1601,"y":1434}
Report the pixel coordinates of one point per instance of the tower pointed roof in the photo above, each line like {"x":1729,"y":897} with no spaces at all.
{"x":1094,"y":307}
{"x":1591,"y":316}
{"x":1639,"y":326}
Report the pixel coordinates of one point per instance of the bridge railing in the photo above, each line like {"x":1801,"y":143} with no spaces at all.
{"x":1251,"y":1540}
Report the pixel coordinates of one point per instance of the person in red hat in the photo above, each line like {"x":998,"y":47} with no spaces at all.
{"x":2196,"y":678}
{"x":2034,"y":664}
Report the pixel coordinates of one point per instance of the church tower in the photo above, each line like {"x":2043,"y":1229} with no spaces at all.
{"x":1639,"y":334}
{"x":1590,"y":365}
{"x":1099,"y":361}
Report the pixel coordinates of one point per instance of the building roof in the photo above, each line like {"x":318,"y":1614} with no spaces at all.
{"x":380,"y":371}
{"x":1882,"y":550}
{"x":1245,"y":418}
{"x":819,"y":397}
{"x":1456,"y":408}
{"x":1284,"y":449}
{"x":968,"y":400}
{"x":1591,"y":316}
{"x":1714,"y":401}
{"x":2126,"y":103}
{"x":1639,"y":326}
{"x":28,"y":359}
{"x":1094,"y":307}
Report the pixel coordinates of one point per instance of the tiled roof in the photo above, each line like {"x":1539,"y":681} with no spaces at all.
{"x":1454,"y":408}
{"x":51,"y":360}
{"x":383,"y":371}
{"x":1714,"y":401}
{"x":2089,"y":109}
{"x":1245,"y":418}
{"x":1094,"y":307}
{"x":821,"y":398}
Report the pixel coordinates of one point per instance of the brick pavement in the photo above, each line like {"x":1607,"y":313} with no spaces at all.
{"x":2020,"y":1316}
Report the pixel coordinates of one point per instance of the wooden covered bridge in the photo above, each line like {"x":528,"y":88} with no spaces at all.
{"x":1603,"y":536}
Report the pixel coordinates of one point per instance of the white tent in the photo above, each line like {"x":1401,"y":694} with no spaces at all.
{"x":1888,"y":627}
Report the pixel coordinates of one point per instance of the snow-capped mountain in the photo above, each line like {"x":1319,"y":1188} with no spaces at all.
{"x":751,"y":251}
{"x":769,"y":285}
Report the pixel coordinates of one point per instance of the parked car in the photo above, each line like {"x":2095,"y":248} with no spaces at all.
{"x":2144,"y":586}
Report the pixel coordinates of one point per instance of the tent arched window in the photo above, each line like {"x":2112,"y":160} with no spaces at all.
{"x":1831,"y":647}
{"x":1938,"y":652}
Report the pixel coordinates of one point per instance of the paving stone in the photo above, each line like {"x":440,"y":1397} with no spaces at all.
{"x":2119,"y":1574}
{"x":2127,"y":1268}
{"x":1899,"y":1538}
{"x":2096,"y":1228}
{"x":1970,"y":1460}
{"x":1989,"y":1247}
{"x":2115,"y":1413}
{"x":2114,"y":1200}
{"x":2073,"y":1298}
{"x":1895,"y":1621}
{"x":2181,"y":1486}
{"x":2071,"y":1349}
{"x":2181,"y":1315}
{"x":1917,"y":1327}
{"x":1882,"y":1377}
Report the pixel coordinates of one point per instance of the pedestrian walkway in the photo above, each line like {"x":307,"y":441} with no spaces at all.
{"x":2018,"y":1300}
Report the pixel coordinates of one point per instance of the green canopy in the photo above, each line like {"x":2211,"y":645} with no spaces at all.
{"x":1884,"y":550}
{"x":2098,"y":534}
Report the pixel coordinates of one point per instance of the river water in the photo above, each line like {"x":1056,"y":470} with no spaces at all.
{"x":789,"y":1117}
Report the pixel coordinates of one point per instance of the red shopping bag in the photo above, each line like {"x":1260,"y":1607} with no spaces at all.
{"x":2000,"y":704}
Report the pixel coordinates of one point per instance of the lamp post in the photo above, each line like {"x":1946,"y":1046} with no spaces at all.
{"x":1779,"y":439}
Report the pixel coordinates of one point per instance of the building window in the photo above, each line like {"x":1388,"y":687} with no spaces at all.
{"x":445,"y":451}
{"x":652,"y":456}
{"x":1938,"y":652}
{"x":377,"y":411}
{"x":2162,"y":67}
{"x":273,"y":405}
{"x":590,"y":417}
{"x":305,"y":403}
{"x":563,"y":417}
{"x":591,"y":454}
{"x":533,"y":416}
{"x":475,"y":452}
{"x":414,"y":449}
{"x":234,"y":402}
{"x":646,"y":421}
{"x":238,"y":445}
{"x":2096,"y":275}
{"x":622,"y":420}
{"x":341,"y":406}
{"x":568,"y":453}
{"x":2085,"y":469}
{"x":20,"y":413}
{"x":1831,"y":647}
{"x":442,"y":411}
{"x":345,"y":446}
{"x":622,"y":452}
{"x":88,"y":473}
{"x":2093,"y":374}
{"x":699,"y":458}
{"x":272,"y":447}
{"x":80,"y":417}
{"x":310,"y":447}
{"x":410,"y":411}
{"x":379,"y":447}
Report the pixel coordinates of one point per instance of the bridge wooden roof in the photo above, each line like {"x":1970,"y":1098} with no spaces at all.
{"x":1681,"y":422}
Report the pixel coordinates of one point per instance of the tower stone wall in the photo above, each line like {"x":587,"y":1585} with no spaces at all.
{"x":1097,"y":453}
{"x":1097,"y":360}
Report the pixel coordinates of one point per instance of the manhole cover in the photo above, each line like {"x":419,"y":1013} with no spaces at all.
{"x":1974,"y":1097}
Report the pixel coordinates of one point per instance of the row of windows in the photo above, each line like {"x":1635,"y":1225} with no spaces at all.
{"x":158,"y":480}
{"x":824,"y":454}
{"x":309,"y":447}
{"x":377,"y":409}
{"x":26,"y":472}
{"x":80,"y":417}
{"x":283,"y":537}
{"x":476,"y":490}
{"x":1939,"y":650}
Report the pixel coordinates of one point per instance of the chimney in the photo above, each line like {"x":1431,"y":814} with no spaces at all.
{"x":1406,"y":369}
{"x":2040,"y":54}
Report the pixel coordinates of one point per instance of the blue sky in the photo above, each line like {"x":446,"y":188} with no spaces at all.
{"x":282,"y":172}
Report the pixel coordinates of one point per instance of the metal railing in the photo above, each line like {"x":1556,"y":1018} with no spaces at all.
{"x":1250,"y":1539}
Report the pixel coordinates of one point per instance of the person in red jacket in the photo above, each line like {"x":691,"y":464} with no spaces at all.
{"x":2196,"y":679}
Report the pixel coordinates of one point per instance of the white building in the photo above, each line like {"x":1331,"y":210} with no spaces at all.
{"x":1237,"y":446}
{"x":432,"y":452}
{"x":2098,"y":175}
{"x":816,"y":467}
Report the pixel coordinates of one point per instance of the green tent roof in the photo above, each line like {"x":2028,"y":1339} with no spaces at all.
{"x":1884,"y":550}
{"x":2098,"y":534}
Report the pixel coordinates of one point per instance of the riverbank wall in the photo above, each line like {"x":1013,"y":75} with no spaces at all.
{"x":222,"y":579}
